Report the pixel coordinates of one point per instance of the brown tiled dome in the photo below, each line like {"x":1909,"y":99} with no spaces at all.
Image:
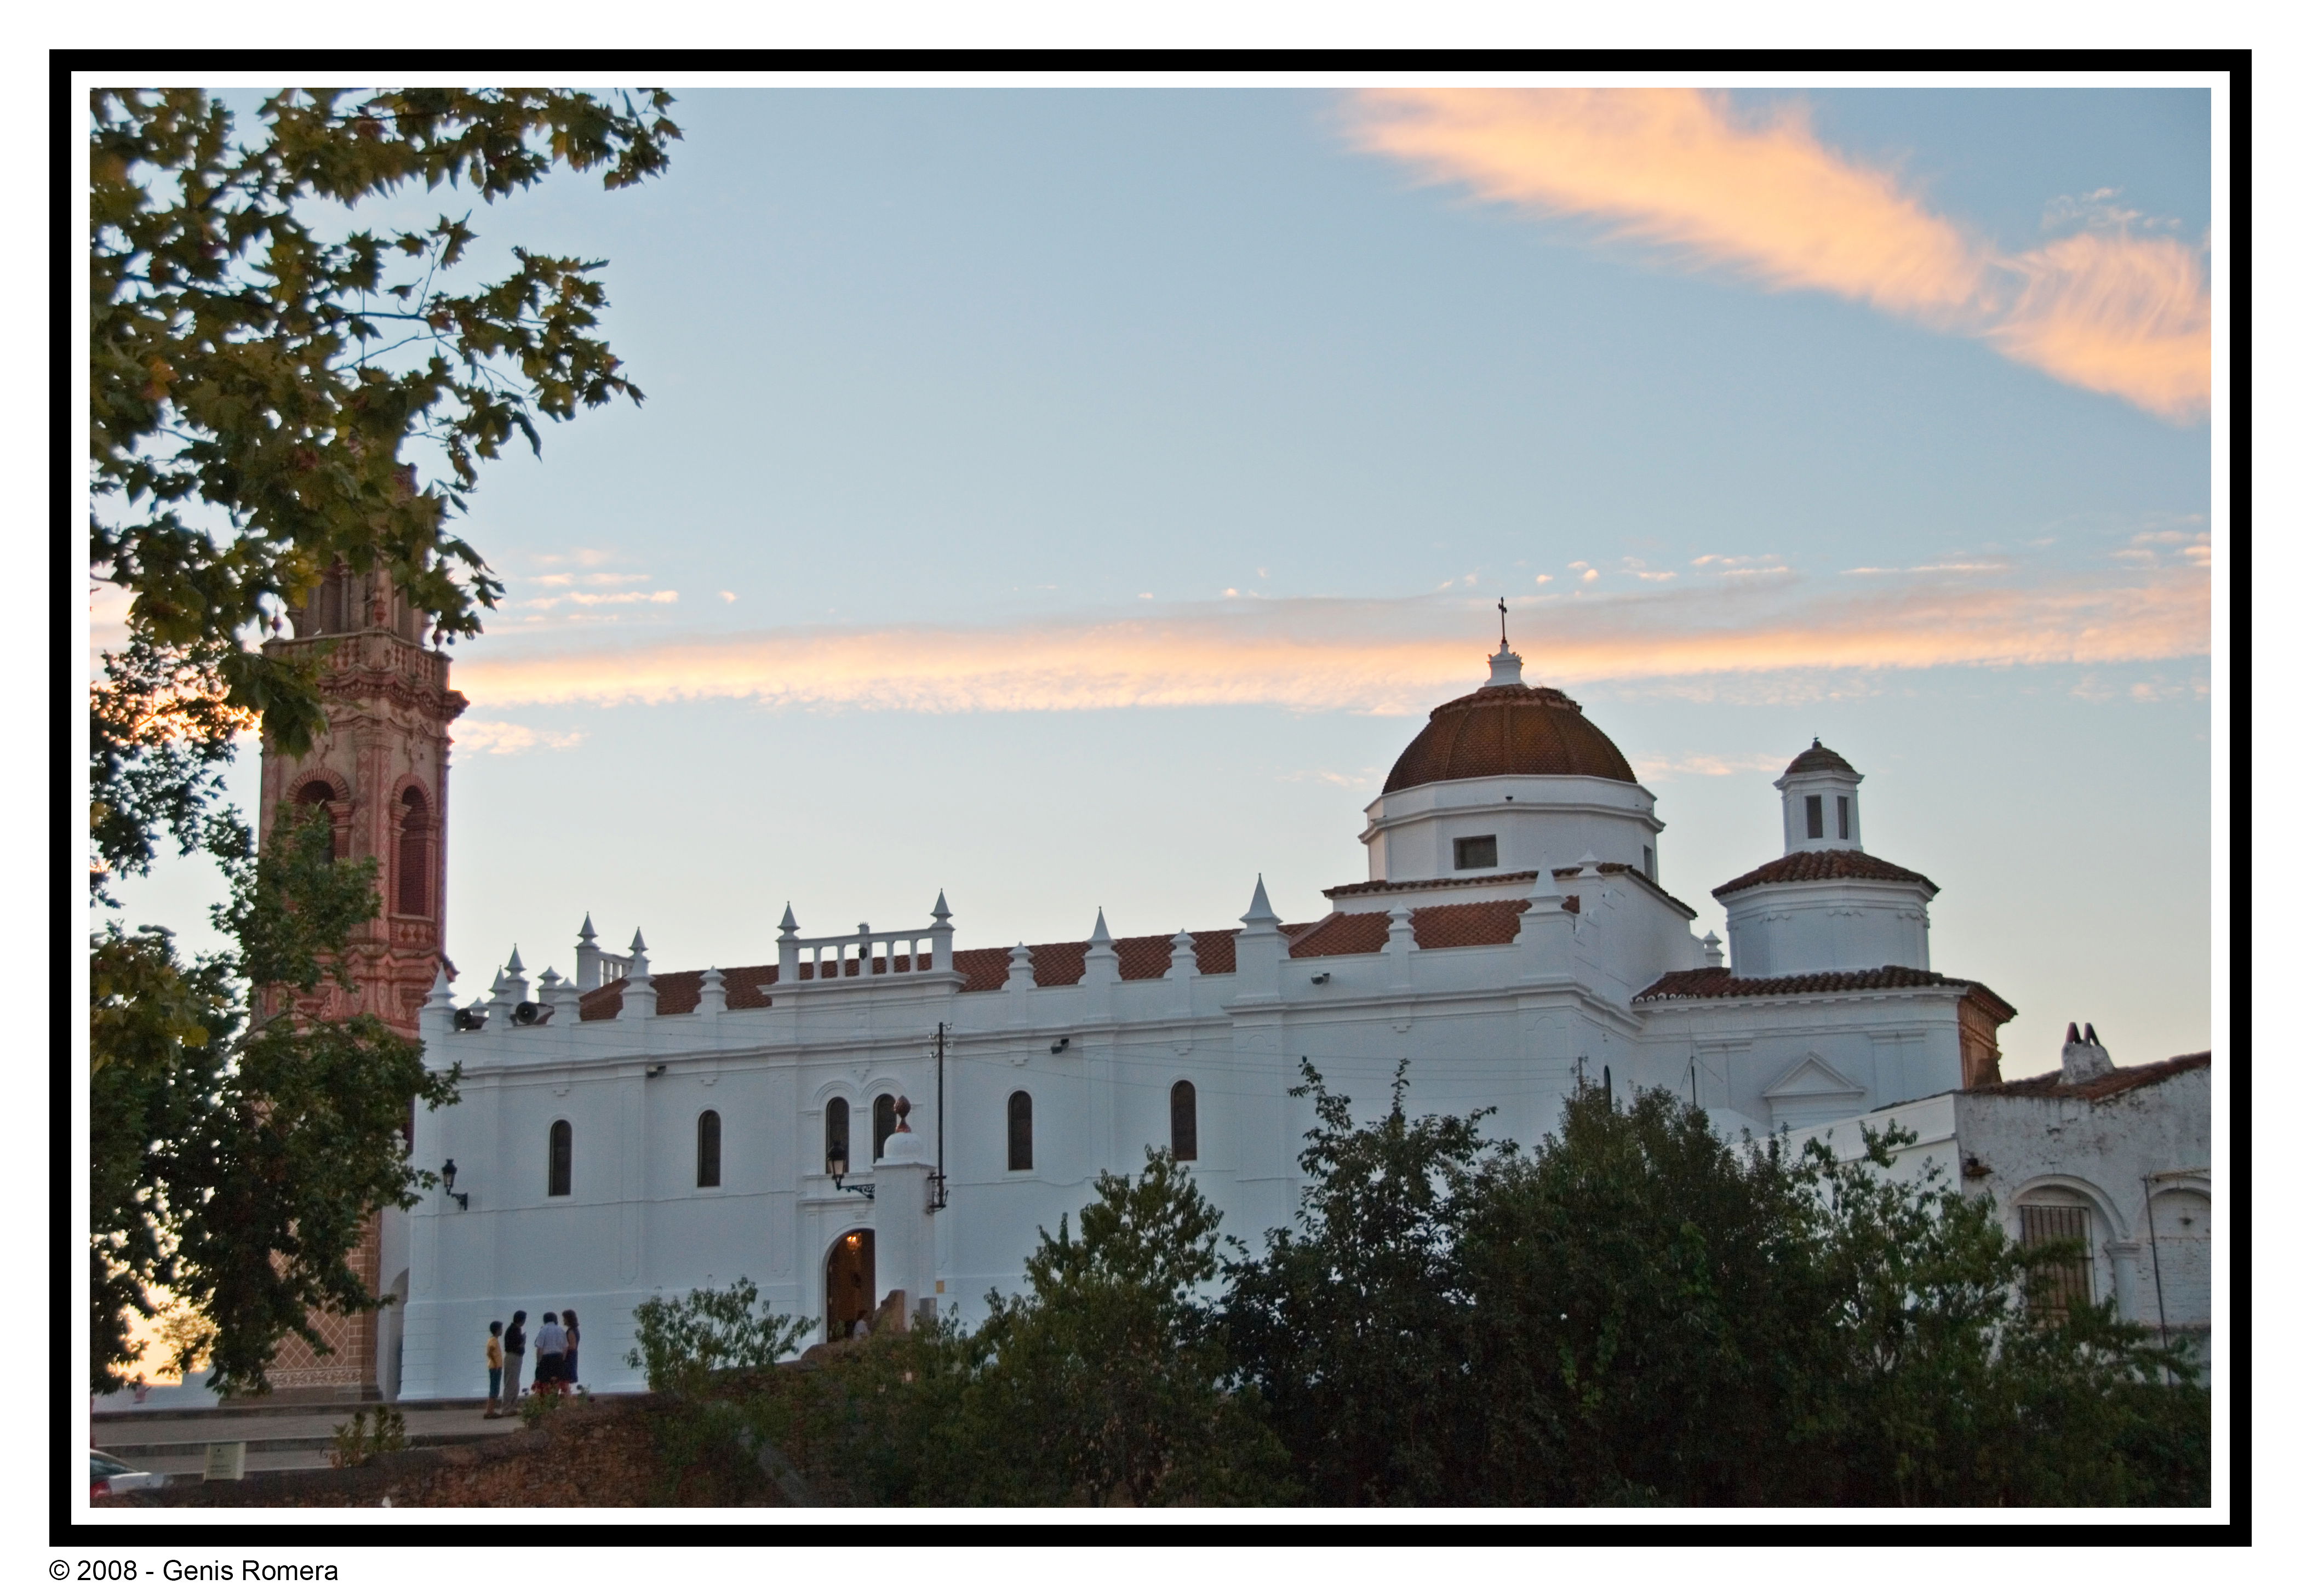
{"x":1818,"y":757}
{"x":1508,"y":730}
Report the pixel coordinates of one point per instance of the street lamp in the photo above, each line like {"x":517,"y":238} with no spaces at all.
{"x":447,"y":1175}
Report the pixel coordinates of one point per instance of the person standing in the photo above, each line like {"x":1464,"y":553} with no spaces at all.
{"x":495,"y":1367}
{"x":515,"y":1355}
{"x":550,"y":1355}
{"x":574,"y":1341}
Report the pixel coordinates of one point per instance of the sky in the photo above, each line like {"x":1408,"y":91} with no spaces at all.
{"x":1075,"y":500}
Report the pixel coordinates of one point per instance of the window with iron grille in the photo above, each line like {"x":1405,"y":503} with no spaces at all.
{"x":1475,"y":853}
{"x":2054,"y":1285}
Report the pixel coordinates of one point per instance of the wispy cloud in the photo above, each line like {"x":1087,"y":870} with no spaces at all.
{"x":1654,"y":766}
{"x":667,"y":596}
{"x":505,"y":737}
{"x":1681,"y":172}
{"x":1381,"y":657}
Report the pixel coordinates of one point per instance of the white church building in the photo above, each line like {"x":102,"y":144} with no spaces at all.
{"x":623,"y":1133}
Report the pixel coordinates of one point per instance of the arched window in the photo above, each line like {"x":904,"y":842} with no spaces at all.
{"x":415,"y":895}
{"x":706,"y":1148}
{"x":319,"y":795}
{"x":562,"y":1159}
{"x":1183,"y":1120}
{"x":883,"y":1124}
{"x":1018,"y":1131}
{"x":834,"y":1136}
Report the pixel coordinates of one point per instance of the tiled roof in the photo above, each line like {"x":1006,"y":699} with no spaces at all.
{"x":1441,"y":925}
{"x":1818,"y":757}
{"x":678,"y":991}
{"x":1140,"y":958}
{"x":2113,"y":1084}
{"x":1508,"y":730}
{"x":1563,"y":873}
{"x":1724,"y":984}
{"x":1824,"y":864}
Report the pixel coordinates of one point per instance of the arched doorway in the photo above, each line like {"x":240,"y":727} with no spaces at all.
{"x":850,"y":1284}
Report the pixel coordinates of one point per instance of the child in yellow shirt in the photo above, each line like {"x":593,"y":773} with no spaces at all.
{"x":495,"y":1367}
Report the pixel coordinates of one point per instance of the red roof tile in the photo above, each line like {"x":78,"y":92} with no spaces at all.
{"x":1563,"y":873}
{"x":1818,"y":757}
{"x":1489,"y":924}
{"x":1723,"y":982}
{"x":678,"y":991}
{"x":2113,"y":1084}
{"x":1508,"y":730}
{"x":1140,"y":958}
{"x":1824,"y":864}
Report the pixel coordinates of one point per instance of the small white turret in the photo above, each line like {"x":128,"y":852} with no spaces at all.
{"x":1821,"y":802}
{"x":1019,"y":978}
{"x":437,"y":1020}
{"x":587,"y":958}
{"x":1185,"y":962}
{"x":638,"y":990}
{"x":713,"y":997}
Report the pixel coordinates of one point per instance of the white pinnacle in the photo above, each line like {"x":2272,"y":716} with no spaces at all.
{"x":1259,"y":909}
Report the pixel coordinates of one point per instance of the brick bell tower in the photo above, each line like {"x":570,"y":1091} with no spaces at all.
{"x":380,"y":772}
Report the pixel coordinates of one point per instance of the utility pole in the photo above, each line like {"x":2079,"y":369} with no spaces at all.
{"x":941,"y":1186}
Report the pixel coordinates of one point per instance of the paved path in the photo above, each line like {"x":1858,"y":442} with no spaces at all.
{"x":176,"y":1442}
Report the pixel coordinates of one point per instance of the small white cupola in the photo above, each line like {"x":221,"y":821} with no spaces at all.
{"x":1821,"y":802}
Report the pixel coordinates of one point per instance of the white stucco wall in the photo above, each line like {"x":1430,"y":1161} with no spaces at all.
{"x":1506,"y":1027}
{"x":1796,"y":928}
{"x":1534,"y":819}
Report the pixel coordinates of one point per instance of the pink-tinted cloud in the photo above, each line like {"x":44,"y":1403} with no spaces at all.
{"x":1370,"y":656}
{"x":1681,"y":172}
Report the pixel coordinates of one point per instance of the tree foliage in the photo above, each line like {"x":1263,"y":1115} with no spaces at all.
{"x":260,"y":371}
{"x":1638,"y":1312}
{"x":1352,"y":1322}
{"x":242,"y":361}
{"x":1642,"y":1313}
{"x":680,"y":1342}
{"x":1106,"y":1382}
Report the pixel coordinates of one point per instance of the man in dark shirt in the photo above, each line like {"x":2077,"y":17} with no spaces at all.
{"x":515,"y":1355}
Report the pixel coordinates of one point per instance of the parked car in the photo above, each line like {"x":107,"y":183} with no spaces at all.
{"x":108,"y":1475}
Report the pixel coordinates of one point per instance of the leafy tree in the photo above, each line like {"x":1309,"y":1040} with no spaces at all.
{"x":236,"y":1173}
{"x":681,"y":1341}
{"x":1640,"y":1312}
{"x":257,"y":383}
{"x":1651,"y":1323}
{"x":243,"y":361}
{"x":1106,"y":1381}
{"x":1354,"y":1323}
